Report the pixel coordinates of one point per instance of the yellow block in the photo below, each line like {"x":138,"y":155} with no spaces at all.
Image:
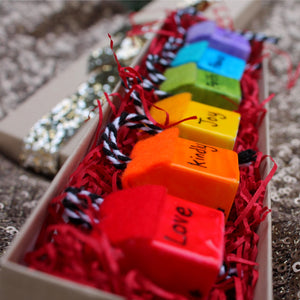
{"x":211,"y":125}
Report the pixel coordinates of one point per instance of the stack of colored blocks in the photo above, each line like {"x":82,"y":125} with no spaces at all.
{"x":212,"y":61}
{"x":175,"y":239}
{"x":177,"y":243}
{"x":194,"y":171}
{"x":205,"y":87}
{"x":212,"y":125}
{"x":180,"y":184}
{"x":220,"y":39}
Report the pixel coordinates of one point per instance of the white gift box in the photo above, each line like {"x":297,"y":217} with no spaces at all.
{"x":20,"y":282}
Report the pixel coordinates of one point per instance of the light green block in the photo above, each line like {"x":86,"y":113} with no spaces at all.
{"x":205,"y":87}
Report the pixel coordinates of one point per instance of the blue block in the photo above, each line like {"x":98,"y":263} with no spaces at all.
{"x":221,"y":63}
{"x":189,"y":53}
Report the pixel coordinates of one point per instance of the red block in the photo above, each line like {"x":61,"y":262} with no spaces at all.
{"x":176,"y":243}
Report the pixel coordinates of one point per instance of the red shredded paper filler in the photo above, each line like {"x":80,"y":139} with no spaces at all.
{"x":84,"y":255}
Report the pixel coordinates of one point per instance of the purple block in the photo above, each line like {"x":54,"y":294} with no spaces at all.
{"x":200,"y":31}
{"x":230,"y":42}
{"x":220,"y":39}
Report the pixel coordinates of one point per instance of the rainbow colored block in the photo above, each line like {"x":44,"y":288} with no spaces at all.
{"x":190,"y":53}
{"x":175,"y":243}
{"x":197,"y":172}
{"x":221,"y":39}
{"x":221,"y":63}
{"x":205,"y":87}
{"x":213,"y":126}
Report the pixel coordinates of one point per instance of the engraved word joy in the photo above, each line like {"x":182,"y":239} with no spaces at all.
{"x":212,"y":118}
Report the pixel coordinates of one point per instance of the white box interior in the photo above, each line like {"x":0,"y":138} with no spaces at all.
{"x":17,"y":280}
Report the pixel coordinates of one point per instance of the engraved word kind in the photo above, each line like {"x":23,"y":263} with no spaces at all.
{"x":198,"y":158}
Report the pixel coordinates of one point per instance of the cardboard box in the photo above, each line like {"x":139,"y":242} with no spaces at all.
{"x":18,"y":281}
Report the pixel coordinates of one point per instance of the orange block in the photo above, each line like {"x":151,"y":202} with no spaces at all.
{"x":197,"y":172}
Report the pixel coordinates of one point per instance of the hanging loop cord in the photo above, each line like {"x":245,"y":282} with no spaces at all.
{"x":170,"y":48}
{"x":139,"y":120}
{"x":79,"y":207}
{"x":110,"y":145}
{"x":154,"y":62}
{"x":258,"y":37}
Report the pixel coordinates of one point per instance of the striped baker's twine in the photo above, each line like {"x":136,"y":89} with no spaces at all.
{"x":184,"y":11}
{"x":131,"y":120}
{"x":170,"y":48}
{"x":147,"y":85}
{"x":155,"y":76}
{"x":259,"y":37}
{"x":75,"y":202}
{"x":139,"y":119}
{"x":167,"y":54}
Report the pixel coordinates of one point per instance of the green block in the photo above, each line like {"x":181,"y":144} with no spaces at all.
{"x":205,"y":87}
{"x":184,"y":75}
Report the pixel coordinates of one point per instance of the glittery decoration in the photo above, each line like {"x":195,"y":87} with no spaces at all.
{"x":42,"y":144}
{"x":11,"y":230}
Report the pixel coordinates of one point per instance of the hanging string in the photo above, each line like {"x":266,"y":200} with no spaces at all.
{"x":78,"y":204}
{"x":110,"y":135}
